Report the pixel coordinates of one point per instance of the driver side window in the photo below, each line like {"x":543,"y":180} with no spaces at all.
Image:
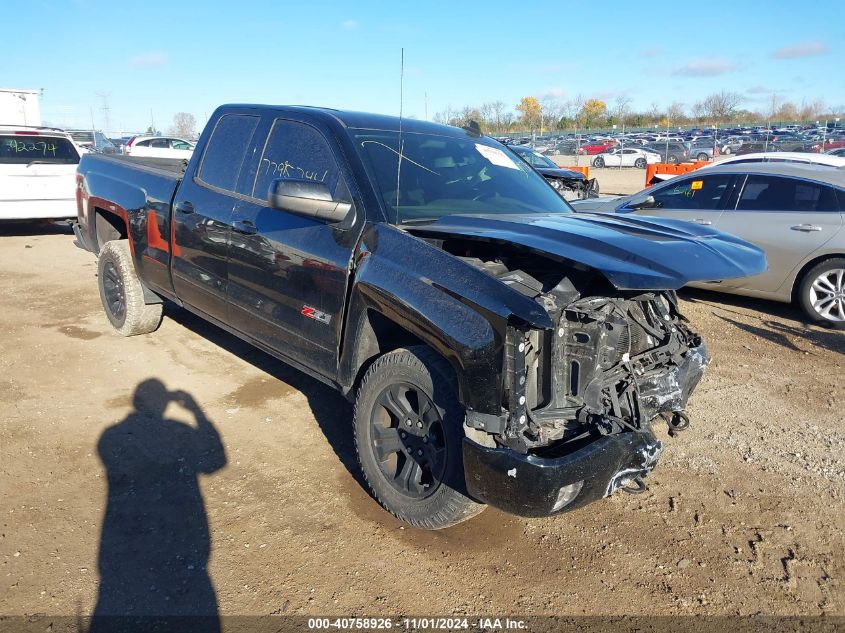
{"x":701,"y":192}
{"x":298,"y":151}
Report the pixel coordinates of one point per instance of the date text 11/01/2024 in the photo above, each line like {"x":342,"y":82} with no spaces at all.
{"x":416,"y":624}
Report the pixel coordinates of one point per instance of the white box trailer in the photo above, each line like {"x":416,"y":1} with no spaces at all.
{"x":20,"y":107}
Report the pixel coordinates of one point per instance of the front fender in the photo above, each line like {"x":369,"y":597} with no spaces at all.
{"x":460,"y":311}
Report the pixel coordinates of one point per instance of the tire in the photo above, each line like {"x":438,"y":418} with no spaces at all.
{"x":640,"y":163}
{"x":122,"y":294}
{"x":407,"y":403}
{"x":703,"y":157}
{"x":821,"y":293}
{"x":726,"y":151}
{"x":598,"y":162}
{"x":672,"y":159}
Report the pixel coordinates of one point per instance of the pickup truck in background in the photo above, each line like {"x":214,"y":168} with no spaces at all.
{"x":499,"y":348}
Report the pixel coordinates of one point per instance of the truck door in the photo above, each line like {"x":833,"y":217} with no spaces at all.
{"x":288,"y":273}
{"x":202,"y":216}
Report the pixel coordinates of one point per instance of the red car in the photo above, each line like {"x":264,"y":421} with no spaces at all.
{"x":829,"y":144}
{"x":596,"y":148}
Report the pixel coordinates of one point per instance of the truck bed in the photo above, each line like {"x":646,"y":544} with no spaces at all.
{"x":170,"y":165}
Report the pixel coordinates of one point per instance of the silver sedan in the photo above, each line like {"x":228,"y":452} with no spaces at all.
{"x":795,"y":213}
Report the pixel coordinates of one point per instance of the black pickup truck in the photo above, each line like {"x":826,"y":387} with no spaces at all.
{"x":499,"y":348}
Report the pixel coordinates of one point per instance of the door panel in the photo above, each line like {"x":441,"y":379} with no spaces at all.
{"x":287,"y":272}
{"x":287,"y":283}
{"x":202,"y":216}
{"x":202,"y":221}
{"x":788,"y":218}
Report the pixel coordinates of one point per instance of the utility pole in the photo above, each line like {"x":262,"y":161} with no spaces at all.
{"x":105,"y":110}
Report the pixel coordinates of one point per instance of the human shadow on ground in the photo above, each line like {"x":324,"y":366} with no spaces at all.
{"x":155,"y":542}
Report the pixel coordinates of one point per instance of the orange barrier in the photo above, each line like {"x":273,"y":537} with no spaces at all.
{"x":668,"y":168}
{"x":583,"y":170}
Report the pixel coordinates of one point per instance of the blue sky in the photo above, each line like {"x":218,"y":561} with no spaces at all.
{"x":173,"y":56}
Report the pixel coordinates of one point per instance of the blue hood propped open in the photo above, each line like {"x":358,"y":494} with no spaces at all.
{"x":633,"y":252}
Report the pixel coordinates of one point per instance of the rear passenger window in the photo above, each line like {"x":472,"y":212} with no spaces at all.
{"x":772,"y":193}
{"x":299,"y":152}
{"x":224,"y":153}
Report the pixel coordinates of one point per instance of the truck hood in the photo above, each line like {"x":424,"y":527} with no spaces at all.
{"x":633,"y":252}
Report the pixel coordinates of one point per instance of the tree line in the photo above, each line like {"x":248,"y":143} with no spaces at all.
{"x":552,"y":114}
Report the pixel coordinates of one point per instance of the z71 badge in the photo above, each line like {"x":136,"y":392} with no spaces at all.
{"x":317,"y":315}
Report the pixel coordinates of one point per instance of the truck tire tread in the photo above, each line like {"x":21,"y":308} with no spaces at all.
{"x":140,"y":317}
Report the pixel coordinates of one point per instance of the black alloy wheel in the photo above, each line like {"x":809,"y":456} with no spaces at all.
{"x":408,"y":440}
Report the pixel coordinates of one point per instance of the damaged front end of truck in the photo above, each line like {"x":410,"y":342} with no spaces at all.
{"x":578,"y":399}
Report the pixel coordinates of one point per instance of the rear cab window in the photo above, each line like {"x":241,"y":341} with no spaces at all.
{"x":24,"y":149}
{"x":224,"y":153}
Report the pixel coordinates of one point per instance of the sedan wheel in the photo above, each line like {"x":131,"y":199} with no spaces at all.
{"x":822,"y":293}
{"x":640,"y":163}
{"x":599,"y":162}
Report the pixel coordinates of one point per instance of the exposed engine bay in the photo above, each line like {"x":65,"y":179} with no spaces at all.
{"x":615,"y":361}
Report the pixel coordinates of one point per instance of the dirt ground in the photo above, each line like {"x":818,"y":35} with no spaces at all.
{"x":744,"y":514}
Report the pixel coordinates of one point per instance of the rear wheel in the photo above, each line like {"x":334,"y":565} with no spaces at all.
{"x":726,"y":151}
{"x":640,"y":163}
{"x":598,"y":162}
{"x":122,"y":294}
{"x":702,"y":157}
{"x":672,"y":159}
{"x":408,"y":434}
{"x":821,"y":293}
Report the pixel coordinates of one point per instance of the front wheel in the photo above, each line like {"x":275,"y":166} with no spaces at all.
{"x":408,"y":435}
{"x":598,"y":162}
{"x":640,"y":163}
{"x":727,"y":151}
{"x":821,"y":293}
{"x":702,"y":157}
{"x":122,"y":294}
{"x":672,"y":160}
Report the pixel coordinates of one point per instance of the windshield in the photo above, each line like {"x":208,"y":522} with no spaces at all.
{"x":535,"y":159}
{"x":22,"y":150}
{"x":445,"y":175}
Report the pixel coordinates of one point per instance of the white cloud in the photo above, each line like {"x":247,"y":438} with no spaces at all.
{"x":349,"y":25}
{"x":710,"y":67}
{"x":552,"y":93}
{"x":797,"y":51}
{"x":150,"y":59}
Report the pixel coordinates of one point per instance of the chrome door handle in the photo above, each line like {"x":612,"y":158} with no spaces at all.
{"x":702,"y":221}
{"x":806,"y":228}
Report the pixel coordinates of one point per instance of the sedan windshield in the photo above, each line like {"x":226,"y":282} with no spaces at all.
{"x":441,"y":175}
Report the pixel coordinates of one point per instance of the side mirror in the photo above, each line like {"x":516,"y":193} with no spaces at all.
{"x":306,"y":197}
{"x":646,"y":203}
